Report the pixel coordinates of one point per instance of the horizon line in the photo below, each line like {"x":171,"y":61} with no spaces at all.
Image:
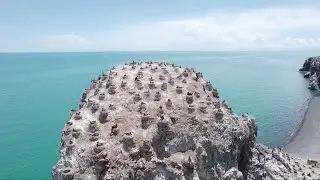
{"x":133,"y":51}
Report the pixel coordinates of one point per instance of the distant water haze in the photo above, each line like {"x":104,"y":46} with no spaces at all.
{"x":37,"y":91}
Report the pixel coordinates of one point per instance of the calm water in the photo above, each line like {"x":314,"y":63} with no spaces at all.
{"x":38,"y":90}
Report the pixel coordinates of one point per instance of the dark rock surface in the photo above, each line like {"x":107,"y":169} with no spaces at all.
{"x":311,"y":70}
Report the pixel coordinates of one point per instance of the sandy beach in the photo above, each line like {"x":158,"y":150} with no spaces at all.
{"x":306,"y":142}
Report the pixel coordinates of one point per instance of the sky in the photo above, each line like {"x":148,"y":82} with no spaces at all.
{"x":166,"y":25}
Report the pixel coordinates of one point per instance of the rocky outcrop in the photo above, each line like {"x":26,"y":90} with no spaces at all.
{"x":275,"y":164}
{"x":311,"y":70}
{"x":161,"y":121}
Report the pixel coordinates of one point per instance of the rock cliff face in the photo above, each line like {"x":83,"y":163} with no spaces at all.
{"x":311,"y":70}
{"x":160,"y":121}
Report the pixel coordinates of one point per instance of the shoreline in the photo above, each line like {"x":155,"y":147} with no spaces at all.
{"x":303,"y":119}
{"x":304,"y":142}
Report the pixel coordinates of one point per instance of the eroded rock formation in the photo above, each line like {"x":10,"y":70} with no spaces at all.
{"x":160,"y":121}
{"x":311,"y":70}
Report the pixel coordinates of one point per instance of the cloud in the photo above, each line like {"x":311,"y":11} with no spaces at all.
{"x":246,"y":29}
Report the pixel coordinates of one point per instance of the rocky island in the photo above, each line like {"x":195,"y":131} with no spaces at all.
{"x":155,"y":120}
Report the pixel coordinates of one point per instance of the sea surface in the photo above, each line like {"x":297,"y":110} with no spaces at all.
{"x":37,"y":91}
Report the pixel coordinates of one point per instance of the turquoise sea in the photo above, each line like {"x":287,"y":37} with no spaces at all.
{"x":37,"y":90}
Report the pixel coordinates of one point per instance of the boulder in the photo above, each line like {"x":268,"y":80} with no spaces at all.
{"x":171,"y":127}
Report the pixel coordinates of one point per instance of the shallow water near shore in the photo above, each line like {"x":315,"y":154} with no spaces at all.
{"x":305,"y":142}
{"x":37,"y":90}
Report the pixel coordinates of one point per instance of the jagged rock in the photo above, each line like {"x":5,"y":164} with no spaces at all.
{"x":312,"y":86}
{"x":312,"y":162}
{"x":274,"y":164}
{"x":76,"y":133}
{"x":307,"y":75}
{"x":133,"y":130}
{"x":233,"y":174}
{"x":78,"y":116}
{"x":164,"y":86}
{"x":311,"y":70}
